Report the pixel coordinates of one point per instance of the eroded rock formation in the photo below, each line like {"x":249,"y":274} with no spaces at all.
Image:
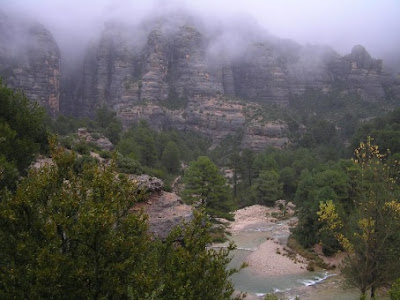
{"x":165,"y":211}
{"x":30,"y":61}
{"x":173,"y":72}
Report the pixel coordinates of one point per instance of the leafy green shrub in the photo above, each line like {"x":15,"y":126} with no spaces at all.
{"x":105,"y":154}
{"x":72,"y":237}
{"x":311,"y":256}
{"x":67,"y":141}
{"x":82,"y":148}
{"x":96,"y":135}
{"x":394,"y":292}
{"x":159,"y":173}
{"x":93,"y":146}
{"x":8,"y":174}
{"x":83,"y":161}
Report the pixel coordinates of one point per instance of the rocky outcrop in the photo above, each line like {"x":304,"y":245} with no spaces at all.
{"x":361,"y":74}
{"x":147,"y":183}
{"x":99,"y":140}
{"x":165,"y":211}
{"x":30,"y":61}
{"x":259,"y":135}
{"x":215,"y":117}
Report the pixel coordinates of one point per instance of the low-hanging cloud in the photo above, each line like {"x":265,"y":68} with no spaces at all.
{"x":338,"y":23}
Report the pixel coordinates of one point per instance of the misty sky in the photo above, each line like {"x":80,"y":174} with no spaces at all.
{"x":338,"y":23}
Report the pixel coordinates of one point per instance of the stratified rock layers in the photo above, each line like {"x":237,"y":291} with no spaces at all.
{"x":171,"y":73}
{"x":30,"y":61}
{"x":138,"y":73}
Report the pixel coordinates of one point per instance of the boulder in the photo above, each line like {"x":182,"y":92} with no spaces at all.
{"x":165,"y":211}
{"x":147,"y":183}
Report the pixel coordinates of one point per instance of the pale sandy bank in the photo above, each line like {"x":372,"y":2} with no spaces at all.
{"x":269,"y":258}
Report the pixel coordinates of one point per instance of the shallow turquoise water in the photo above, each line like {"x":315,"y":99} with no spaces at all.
{"x":247,"y":281}
{"x":256,"y":284}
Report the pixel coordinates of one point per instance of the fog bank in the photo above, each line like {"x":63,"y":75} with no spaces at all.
{"x":339,"y":24}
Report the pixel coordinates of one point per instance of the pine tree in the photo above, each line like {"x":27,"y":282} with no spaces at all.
{"x":170,"y":157}
{"x":64,"y":233}
{"x":266,"y":189}
{"x":204,"y":185}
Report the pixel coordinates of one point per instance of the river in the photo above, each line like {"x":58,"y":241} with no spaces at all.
{"x":307,"y":285}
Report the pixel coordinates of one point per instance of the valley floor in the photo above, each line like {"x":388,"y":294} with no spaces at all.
{"x":270,"y":259}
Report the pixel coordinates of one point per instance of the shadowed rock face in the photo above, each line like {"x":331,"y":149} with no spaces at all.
{"x":30,"y":61}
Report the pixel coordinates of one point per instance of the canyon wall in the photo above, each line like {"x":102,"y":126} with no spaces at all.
{"x":170,"y":74}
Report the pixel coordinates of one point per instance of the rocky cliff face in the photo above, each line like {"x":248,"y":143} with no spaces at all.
{"x":30,"y":61}
{"x":164,"y":63}
{"x":139,"y":72}
{"x":170,"y":73}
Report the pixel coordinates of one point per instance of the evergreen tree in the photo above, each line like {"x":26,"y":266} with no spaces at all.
{"x":107,"y":120}
{"x":206,"y":186}
{"x":234,"y":164}
{"x":71,"y":234}
{"x":266,"y":189}
{"x":288,"y":178}
{"x":170,"y":158}
{"x":247,"y":168}
{"x":200,"y":272}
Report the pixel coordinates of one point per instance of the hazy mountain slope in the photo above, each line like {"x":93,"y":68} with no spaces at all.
{"x":177,"y":72}
{"x":30,"y":60}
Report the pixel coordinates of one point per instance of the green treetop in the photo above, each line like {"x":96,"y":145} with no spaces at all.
{"x":206,"y":186}
{"x":170,"y":157}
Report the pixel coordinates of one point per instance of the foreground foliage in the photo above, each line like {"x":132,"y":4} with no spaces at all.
{"x":394,"y":292}
{"x":370,"y":231}
{"x":71,"y":234}
{"x":22,"y":135}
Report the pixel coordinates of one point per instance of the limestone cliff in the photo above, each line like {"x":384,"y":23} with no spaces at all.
{"x":139,"y":71}
{"x":30,"y":61}
{"x":175,"y":72}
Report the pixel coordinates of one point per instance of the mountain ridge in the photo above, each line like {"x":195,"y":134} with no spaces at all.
{"x":179,"y":73}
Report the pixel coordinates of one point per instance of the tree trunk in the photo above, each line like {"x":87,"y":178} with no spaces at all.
{"x":373,"y":292}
